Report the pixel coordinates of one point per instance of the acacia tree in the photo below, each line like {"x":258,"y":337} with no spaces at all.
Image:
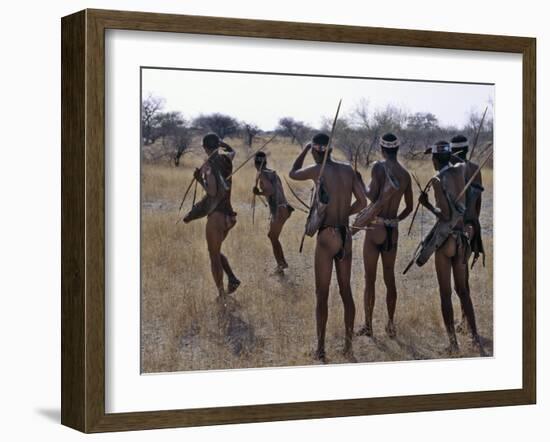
{"x":476,"y":123}
{"x":181,"y":142}
{"x":298,"y":131}
{"x":362,"y":121}
{"x":174,"y":131}
{"x":221,"y":124}
{"x":175,"y":135}
{"x":389,"y":119}
{"x":165,"y":124}
{"x":360,"y":116}
{"x":421,"y":129}
{"x":150,"y":107}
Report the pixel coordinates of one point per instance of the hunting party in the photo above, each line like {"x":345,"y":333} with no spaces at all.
{"x":307,"y":220}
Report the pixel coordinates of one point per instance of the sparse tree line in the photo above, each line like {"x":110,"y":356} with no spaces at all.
{"x":168,"y":135}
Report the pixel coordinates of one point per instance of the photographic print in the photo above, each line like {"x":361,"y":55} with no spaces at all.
{"x":296,"y":220}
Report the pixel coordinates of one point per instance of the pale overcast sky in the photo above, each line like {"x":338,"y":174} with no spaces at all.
{"x":263,"y":99}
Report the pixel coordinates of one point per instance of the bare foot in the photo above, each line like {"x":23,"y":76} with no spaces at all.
{"x":365,"y":331}
{"x":233,"y":285}
{"x":222,"y":298}
{"x":452,"y":349}
{"x":390,"y":330}
{"x":348,"y":354}
{"x":476,"y":343}
{"x":319,"y":355}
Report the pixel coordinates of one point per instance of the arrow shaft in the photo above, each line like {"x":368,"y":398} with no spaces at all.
{"x":251,"y":156}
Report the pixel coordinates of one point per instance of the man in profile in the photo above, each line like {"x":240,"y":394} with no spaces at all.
{"x":451,"y":255}
{"x":214,"y":177}
{"x":334,"y":243}
{"x":271,"y":187}
{"x":381,"y":233}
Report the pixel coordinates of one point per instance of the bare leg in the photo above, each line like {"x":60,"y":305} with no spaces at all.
{"x":226,"y":267}
{"x":343,"y":274}
{"x":388,"y":267}
{"x":462,"y":326}
{"x":459,"y":274}
{"x":233,"y":281}
{"x":275,"y":228}
{"x":215,"y":227}
{"x":443,"y":269}
{"x":370,"y":262}
{"x":327,"y":246}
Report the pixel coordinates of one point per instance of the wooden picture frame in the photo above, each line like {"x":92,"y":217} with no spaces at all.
{"x":83,"y":220}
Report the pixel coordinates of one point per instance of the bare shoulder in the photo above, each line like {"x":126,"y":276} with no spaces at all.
{"x":405,"y":171}
{"x":378,"y":168}
{"x":346,"y":167}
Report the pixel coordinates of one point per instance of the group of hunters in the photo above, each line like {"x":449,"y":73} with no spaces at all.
{"x":340,"y":192}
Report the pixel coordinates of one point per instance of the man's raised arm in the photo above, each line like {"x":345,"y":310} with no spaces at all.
{"x":230,"y":152}
{"x":299,"y":174}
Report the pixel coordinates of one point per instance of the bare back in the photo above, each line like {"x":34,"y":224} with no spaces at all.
{"x":451,"y":182}
{"x":338,"y":180}
{"x":376,"y":187}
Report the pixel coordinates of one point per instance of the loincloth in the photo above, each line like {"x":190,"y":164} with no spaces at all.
{"x":390,"y":225}
{"x":274,"y":210}
{"x":462,"y":243}
{"x":343,"y":231}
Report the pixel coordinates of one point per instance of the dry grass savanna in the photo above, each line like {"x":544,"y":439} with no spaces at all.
{"x":270,"y":320}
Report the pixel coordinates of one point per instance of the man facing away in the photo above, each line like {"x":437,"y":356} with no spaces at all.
{"x":271,"y":187}
{"x":334,"y":244}
{"x":472,"y":227}
{"x":451,"y":256}
{"x":381,"y":234}
{"x":213,"y":176}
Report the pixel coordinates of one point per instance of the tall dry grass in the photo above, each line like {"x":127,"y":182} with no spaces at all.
{"x":271,"y":320}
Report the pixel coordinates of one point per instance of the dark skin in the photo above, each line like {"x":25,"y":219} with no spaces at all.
{"x":277,"y":221}
{"x":218,"y":225}
{"x":469,"y":170}
{"x":375,"y":236}
{"x":341,"y":183}
{"x":449,"y":258}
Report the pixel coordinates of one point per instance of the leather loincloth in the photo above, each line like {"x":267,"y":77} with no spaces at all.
{"x":390,"y":225}
{"x":343,"y":230}
{"x":462,"y":242}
